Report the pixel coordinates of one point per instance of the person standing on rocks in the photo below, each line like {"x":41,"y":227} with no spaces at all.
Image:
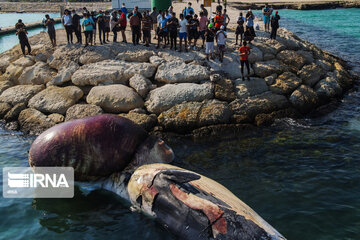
{"x":220,"y":40}
{"x":266,"y":15}
{"x":240,"y":28}
{"x":162,"y":34}
{"x":193,"y":30}
{"x":183,"y":31}
{"x":202,"y":27}
{"x":76,"y":25}
{"x":68,"y":24}
{"x":94,"y":18}
{"x":50,"y":24}
{"x":244,"y":52}
{"x":88,"y":26}
{"x":114,"y":25}
{"x":101,"y":26}
{"x":22,"y":35}
{"x":135,"y":28}
{"x":107,"y":25}
{"x":123,"y":23}
{"x":146,"y":28}
{"x":172,"y":25}
{"x":274,"y":25}
{"x":250,"y":23}
{"x":226,"y":19}
{"x":210,"y":35}
{"x":154,"y":14}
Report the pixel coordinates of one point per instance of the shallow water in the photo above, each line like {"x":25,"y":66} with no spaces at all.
{"x":303,"y":177}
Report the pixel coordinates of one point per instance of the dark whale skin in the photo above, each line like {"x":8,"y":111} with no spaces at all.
{"x":95,"y":146}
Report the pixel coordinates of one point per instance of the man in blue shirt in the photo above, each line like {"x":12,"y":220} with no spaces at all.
{"x":163,"y":33}
{"x":88,"y":26}
{"x":124,"y":9}
{"x":188,"y":10}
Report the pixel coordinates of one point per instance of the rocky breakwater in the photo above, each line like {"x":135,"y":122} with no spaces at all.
{"x":168,"y":91}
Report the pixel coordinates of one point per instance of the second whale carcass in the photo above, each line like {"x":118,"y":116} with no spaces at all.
{"x":120,"y":156}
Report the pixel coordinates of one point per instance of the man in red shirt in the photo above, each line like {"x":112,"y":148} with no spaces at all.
{"x":123,"y":23}
{"x":244,"y":52}
{"x":218,"y":20}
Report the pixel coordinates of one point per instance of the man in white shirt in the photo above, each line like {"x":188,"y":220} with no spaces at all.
{"x":183,"y":31}
{"x":220,"y":40}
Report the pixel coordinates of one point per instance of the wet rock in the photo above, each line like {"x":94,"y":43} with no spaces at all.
{"x":177,"y":72}
{"x":266,"y":119}
{"x":328,"y":88}
{"x":292,"y":58}
{"x":20,"y":93}
{"x":78,"y":111}
{"x":56,"y":99}
{"x":40,"y":73}
{"x":270,"y":79}
{"x":136,"y":56}
{"x":146,"y":121}
{"x":4,"y":108}
{"x":169,"y":95}
{"x":265,"y":103}
{"x":286,"y":83}
{"x":13,"y":126}
{"x":141,"y":84}
{"x":110,"y":71}
{"x":190,"y":115}
{"x":56,"y":118}
{"x":255,"y":86}
{"x":311,"y":74}
{"x":115,"y":98}
{"x":327,"y":66}
{"x":33,"y":121}
{"x":304,"y":99}
{"x":224,"y":90}
{"x":14,"y":112}
{"x":264,"y":69}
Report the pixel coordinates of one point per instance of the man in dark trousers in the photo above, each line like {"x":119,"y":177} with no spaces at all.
{"x":274,"y":25}
{"x":22,"y":35}
{"x":76,"y":25}
{"x":49,"y":23}
{"x":135,"y":27}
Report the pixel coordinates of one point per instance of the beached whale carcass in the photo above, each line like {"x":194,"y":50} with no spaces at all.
{"x":124,"y":159}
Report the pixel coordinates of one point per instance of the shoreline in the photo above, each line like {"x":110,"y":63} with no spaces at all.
{"x":51,"y":7}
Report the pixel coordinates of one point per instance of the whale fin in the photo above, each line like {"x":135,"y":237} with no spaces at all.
{"x":179,"y":176}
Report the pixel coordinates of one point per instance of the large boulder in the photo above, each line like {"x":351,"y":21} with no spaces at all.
{"x":4,"y":63}
{"x":265,"y":103}
{"x":110,"y":71}
{"x":56,"y":99}
{"x":65,"y":54}
{"x":224,"y":90}
{"x":141,"y":84}
{"x":328,"y":88}
{"x":15,"y":69}
{"x":64,"y":74}
{"x":327,"y":66}
{"x":135,"y":56}
{"x":307,"y":55}
{"x":144,"y":120}
{"x":20,"y":93}
{"x":264,"y":69}
{"x":286,"y":83}
{"x":156,"y":60}
{"x":115,"y":98}
{"x":4,"y":108}
{"x":33,"y":121}
{"x":78,"y":111}
{"x":13,"y":114}
{"x":186,"y":57}
{"x":311,"y":74}
{"x":96,"y":54}
{"x":163,"y":98}
{"x":5,"y":85}
{"x":187,"y":116}
{"x":264,"y":47}
{"x":40,"y":73}
{"x":256,"y":55}
{"x":304,"y":99}
{"x":292,"y":58}
{"x":177,"y":72}
{"x":255,"y":86}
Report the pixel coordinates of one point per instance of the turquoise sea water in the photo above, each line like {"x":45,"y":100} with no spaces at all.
{"x":302,"y":176}
{"x":10,"y":19}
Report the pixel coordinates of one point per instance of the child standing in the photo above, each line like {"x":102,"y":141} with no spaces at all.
{"x":244,"y":52}
{"x":220,"y":40}
{"x":240,"y":28}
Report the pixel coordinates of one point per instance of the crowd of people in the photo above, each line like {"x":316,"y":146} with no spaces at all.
{"x":190,"y":30}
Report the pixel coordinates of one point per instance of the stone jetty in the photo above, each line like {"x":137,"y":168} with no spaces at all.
{"x":164,"y":90}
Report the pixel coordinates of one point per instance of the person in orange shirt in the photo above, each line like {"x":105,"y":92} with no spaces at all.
{"x":218,"y":20}
{"x":244,"y":52}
